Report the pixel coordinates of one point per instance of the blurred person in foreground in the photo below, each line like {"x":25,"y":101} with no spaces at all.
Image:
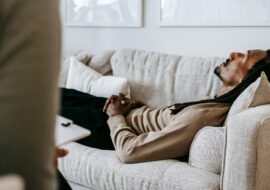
{"x":29,"y":64}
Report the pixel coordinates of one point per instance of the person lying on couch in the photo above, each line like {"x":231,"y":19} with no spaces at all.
{"x":140,"y":133}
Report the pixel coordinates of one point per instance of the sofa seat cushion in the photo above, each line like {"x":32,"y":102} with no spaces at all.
{"x":100,"y":170}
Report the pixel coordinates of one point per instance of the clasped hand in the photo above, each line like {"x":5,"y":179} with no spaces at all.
{"x":120,"y":105}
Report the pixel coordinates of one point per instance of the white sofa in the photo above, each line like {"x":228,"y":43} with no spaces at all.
{"x":159,"y":80}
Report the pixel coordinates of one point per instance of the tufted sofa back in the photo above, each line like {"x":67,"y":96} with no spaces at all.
{"x":160,"y":79}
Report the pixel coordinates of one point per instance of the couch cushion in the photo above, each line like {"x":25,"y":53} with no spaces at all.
{"x":160,"y":80}
{"x":65,"y":64}
{"x":99,"y":60}
{"x":255,"y":94}
{"x":100,"y":169}
{"x":207,"y":149}
{"x":85,"y":79}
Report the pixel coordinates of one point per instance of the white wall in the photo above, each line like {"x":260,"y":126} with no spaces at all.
{"x":200,"y":41}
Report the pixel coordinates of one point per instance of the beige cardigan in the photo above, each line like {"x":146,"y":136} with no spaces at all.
{"x":148,"y":134}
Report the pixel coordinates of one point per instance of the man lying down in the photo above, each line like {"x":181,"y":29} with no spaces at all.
{"x":139,"y":133}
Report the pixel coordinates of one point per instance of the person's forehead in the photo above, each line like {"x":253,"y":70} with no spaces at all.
{"x":256,"y":51}
{"x":250,"y":53}
{"x":233,"y":53}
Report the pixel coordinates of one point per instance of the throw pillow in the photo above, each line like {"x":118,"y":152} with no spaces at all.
{"x":100,"y":61}
{"x":85,"y":79}
{"x":65,"y":64}
{"x":256,"y":94}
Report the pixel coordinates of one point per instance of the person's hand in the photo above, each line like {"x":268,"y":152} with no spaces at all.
{"x":119,"y":105}
{"x":59,"y":153}
{"x":108,"y":102}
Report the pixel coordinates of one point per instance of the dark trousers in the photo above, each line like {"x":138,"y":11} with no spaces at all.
{"x":85,"y":110}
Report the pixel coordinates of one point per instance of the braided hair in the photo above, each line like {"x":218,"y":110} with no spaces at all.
{"x":230,"y":97}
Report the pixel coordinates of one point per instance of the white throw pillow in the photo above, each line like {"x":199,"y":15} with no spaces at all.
{"x":65,"y":64}
{"x":99,"y":60}
{"x":85,"y":79}
{"x":256,"y":94}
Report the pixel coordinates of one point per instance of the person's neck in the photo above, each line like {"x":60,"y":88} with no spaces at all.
{"x":225,"y":88}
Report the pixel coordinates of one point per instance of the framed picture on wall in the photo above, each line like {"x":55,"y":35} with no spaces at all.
{"x":103,"y":13}
{"x":214,"y":12}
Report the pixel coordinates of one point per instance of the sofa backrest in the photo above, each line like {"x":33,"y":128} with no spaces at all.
{"x":160,"y":80}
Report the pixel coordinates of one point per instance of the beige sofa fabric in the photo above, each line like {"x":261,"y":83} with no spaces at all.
{"x":263,"y":156}
{"x":206,"y":150}
{"x":255,"y":94}
{"x":29,"y":63}
{"x":160,"y":80}
{"x":247,"y":153}
{"x":99,"y":60}
{"x":82,"y":57}
{"x":102,"y":170}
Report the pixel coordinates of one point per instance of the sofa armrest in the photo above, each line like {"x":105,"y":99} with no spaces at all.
{"x":246,"y":161}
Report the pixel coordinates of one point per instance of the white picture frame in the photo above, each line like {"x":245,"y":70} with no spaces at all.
{"x":215,"y":13}
{"x":103,"y":13}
